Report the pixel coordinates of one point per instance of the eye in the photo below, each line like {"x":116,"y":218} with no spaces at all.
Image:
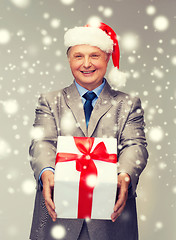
{"x":78,"y":56}
{"x":95,"y":55}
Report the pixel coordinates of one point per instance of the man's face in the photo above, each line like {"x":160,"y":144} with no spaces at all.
{"x":88,"y":65}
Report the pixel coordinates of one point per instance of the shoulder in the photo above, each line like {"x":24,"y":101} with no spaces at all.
{"x":123,"y":99}
{"x":127,"y":97}
{"x":108,"y":89}
{"x":122,"y":96}
{"x":53,"y":95}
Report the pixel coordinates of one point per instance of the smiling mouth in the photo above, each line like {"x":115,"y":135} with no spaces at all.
{"x":88,"y":72}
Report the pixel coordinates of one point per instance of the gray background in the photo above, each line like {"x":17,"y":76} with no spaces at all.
{"x":32,"y":61}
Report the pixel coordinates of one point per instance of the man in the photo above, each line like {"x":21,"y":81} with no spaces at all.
{"x":112,"y":114}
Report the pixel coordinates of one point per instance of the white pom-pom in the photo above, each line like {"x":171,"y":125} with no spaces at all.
{"x":116,"y":78}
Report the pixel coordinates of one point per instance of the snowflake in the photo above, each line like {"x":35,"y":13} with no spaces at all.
{"x":94,"y":21}
{"x":143,"y":217}
{"x":4,"y":149}
{"x":151,"y":10}
{"x":28,"y":186}
{"x":156,"y":134}
{"x":161,"y":23}
{"x":21,"y":3}
{"x":37,"y":133}
{"x":58,"y":232}
{"x":91,"y":180}
{"x":55,"y":23}
{"x":47,"y":40}
{"x":5,"y":36}
{"x":158,"y":225}
{"x":174,"y":190}
{"x":173,"y":60}
{"x":108,"y":12}
{"x":67,"y":2}
{"x":129,"y":41}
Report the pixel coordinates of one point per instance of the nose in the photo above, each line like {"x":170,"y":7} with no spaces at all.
{"x":87,"y":62}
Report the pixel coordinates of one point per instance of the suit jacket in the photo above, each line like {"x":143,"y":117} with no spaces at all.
{"x":115,"y":114}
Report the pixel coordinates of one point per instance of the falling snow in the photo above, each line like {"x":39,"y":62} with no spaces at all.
{"x":67,"y":2}
{"x":4,"y":149}
{"x":58,"y":232}
{"x":151,"y":10}
{"x":156,"y":134}
{"x":129,"y":41}
{"x":91,"y":180}
{"x":21,"y":3}
{"x":10,"y":106}
{"x":161,"y":23}
{"x":33,"y":61}
{"x":158,"y":225}
{"x":37,"y":133}
{"x":28,"y":186}
{"x":94,"y":21}
{"x":55,"y":23}
{"x":108,"y":12}
{"x":5,"y":36}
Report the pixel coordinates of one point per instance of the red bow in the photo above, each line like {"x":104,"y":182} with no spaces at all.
{"x":86,"y":165}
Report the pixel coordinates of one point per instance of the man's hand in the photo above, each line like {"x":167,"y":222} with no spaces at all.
{"x":48,"y":187}
{"x":123,"y":182}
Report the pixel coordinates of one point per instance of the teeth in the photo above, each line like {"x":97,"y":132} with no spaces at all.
{"x":88,"y":71}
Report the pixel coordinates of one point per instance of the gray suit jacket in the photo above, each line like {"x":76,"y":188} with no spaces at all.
{"x":115,"y":114}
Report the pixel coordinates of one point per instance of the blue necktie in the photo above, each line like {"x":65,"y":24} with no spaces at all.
{"x":89,"y":96}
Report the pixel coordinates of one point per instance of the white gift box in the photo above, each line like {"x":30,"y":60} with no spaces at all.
{"x":102,"y":182}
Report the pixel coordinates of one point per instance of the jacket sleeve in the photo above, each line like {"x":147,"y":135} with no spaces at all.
{"x":44,"y":142}
{"x":133,"y":154}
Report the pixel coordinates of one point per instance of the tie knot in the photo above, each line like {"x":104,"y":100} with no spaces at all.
{"x":89,"y":96}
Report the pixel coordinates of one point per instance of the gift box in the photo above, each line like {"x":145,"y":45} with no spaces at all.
{"x":85,"y":177}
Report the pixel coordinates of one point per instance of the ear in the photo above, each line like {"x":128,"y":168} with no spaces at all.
{"x":68,"y":57}
{"x":108,"y":55}
{"x":68,"y":53}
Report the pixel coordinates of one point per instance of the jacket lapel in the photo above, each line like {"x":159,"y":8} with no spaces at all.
{"x":74,"y":102}
{"x":103,"y":104}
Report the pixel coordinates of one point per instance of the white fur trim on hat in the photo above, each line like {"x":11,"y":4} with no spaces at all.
{"x":88,"y":35}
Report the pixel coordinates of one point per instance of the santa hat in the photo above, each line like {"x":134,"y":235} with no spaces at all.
{"x":103,"y":37}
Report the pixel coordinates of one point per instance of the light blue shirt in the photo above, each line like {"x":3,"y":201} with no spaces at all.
{"x":81,"y":91}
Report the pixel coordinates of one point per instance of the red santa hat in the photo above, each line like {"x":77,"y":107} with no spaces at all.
{"x":103,"y":37}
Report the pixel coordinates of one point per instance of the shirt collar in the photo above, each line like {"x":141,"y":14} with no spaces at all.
{"x":83,"y":90}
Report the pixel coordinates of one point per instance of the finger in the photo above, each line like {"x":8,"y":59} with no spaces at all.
{"x":47,"y":193}
{"x":120,"y":201}
{"x":48,"y":187}
{"x":119,"y":206}
{"x":49,"y":202}
{"x":116,"y":214}
{"x":51,"y":209}
{"x":53,"y":215}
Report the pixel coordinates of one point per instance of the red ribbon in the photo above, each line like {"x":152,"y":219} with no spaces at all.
{"x":87,"y":167}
